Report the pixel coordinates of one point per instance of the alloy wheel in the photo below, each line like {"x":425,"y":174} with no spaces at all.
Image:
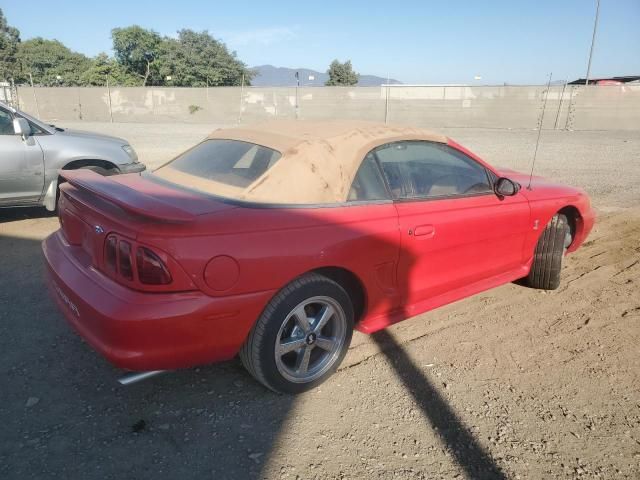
{"x":310,"y":339}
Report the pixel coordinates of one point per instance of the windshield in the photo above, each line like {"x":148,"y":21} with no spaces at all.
{"x":221,"y":167}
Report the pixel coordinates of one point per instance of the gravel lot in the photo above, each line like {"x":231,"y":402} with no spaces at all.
{"x":511,"y":383}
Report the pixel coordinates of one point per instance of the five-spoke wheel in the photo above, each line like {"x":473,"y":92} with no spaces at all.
{"x":302,"y":336}
{"x":310,"y":339}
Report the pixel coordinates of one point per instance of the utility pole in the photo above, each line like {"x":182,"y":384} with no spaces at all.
{"x":386,"y":101}
{"x":297,"y":87}
{"x":241,"y":100}
{"x":593,"y":41}
{"x":109,"y":97}
{"x":35,"y":98}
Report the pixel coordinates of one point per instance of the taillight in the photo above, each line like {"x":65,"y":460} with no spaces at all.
{"x":151,"y":269}
{"x":124,"y":260}
{"x":142,"y":268}
{"x":110,"y":254}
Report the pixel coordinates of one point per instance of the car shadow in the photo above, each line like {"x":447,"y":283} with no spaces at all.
{"x":64,"y":415}
{"x":13,"y":214}
{"x":455,"y":436}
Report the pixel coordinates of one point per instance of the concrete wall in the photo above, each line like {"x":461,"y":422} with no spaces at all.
{"x":570,"y":107}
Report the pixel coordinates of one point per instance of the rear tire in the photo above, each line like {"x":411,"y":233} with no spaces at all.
{"x":547,"y":258}
{"x":301,"y":337}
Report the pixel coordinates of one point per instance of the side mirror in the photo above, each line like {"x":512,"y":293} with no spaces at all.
{"x":21,"y":127}
{"x":505,"y":187}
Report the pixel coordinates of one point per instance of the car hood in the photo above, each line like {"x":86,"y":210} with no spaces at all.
{"x":537,"y":183}
{"x":68,"y":132}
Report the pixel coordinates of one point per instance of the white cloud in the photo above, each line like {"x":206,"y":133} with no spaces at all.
{"x":260,"y":36}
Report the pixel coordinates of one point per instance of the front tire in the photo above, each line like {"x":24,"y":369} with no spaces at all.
{"x":301,"y":337}
{"x":547,"y":258}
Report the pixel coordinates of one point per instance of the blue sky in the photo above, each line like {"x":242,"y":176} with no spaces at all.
{"x":425,"y":41}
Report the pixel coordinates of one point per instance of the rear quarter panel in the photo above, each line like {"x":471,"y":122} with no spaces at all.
{"x":272,"y":246}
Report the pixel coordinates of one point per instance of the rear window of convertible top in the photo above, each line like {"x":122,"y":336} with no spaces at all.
{"x":222,"y":163}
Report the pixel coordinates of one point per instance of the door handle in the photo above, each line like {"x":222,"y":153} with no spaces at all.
{"x":426,"y":231}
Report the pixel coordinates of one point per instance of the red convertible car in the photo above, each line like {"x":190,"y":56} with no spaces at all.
{"x":275,"y":241}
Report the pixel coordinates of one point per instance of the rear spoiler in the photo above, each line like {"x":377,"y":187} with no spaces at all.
{"x":125,"y":197}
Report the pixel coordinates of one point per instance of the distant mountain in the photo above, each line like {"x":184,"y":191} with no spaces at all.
{"x":270,"y":76}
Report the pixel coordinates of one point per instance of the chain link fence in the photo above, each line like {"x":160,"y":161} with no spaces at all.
{"x":569,"y":107}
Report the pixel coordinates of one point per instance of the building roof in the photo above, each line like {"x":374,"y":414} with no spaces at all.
{"x":623,"y":79}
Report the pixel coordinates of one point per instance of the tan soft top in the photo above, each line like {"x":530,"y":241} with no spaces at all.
{"x":319,"y":159}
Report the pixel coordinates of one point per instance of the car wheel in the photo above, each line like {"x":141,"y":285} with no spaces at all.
{"x":547,"y":258}
{"x":301,"y":337}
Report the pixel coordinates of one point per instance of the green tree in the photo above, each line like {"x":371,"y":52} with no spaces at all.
{"x":9,"y":41}
{"x":137,"y":50}
{"x":50,"y":63}
{"x":341,"y":74}
{"x":196,"y":59}
{"x":103,"y":67}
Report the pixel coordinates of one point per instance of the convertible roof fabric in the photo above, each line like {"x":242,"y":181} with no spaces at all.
{"x":319,"y":159}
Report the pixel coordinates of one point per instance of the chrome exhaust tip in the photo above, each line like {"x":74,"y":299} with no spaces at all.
{"x":135,"y":377}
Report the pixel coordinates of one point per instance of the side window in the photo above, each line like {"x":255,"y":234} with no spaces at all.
{"x":368,"y":183}
{"x":416,"y":169}
{"x":6,"y":123}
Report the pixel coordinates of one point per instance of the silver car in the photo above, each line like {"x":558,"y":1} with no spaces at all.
{"x":32,"y":152}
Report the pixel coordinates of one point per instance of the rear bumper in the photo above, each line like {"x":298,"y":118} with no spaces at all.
{"x":147,"y":331}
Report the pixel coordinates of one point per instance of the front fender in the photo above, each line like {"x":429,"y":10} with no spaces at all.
{"x":543,"y":210}
{"x":51,"y":195}
{"x":60,"y":150}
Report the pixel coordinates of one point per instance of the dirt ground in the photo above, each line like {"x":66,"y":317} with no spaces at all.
{"x":510,"y":383}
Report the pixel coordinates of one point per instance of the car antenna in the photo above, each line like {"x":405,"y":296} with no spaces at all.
{"x":535,"y":152}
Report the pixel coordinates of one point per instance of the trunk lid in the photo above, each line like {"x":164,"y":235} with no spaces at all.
{"x":93,"y":206}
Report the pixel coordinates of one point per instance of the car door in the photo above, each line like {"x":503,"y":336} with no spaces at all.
{"x":21,"y":165}
{"x":373,"y":218}
{"x":455,"y":231}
